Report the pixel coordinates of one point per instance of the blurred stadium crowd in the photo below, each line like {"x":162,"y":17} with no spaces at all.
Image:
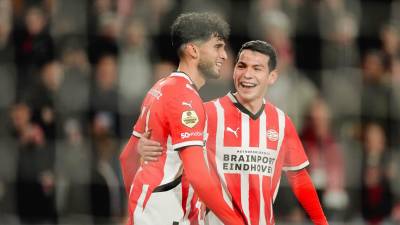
{"x":73,"y":74}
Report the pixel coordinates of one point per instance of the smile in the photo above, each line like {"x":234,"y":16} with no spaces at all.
{"x":247,"y":84}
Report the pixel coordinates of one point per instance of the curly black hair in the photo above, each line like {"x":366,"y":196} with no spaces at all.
{"x":197,"y":27}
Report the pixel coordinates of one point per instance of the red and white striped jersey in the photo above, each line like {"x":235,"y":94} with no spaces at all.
{"x":247,"y":153}
{"x":174,"y":113}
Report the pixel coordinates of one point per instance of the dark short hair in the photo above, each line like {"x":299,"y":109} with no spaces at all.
{"x":197,"y":27}
{"x":263,"y":48}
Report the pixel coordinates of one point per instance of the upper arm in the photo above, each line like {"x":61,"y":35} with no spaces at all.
{"x":184,"y":113}
{"x":295,"y":156}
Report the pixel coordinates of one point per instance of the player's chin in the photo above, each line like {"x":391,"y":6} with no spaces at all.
{"x":214,"y":75}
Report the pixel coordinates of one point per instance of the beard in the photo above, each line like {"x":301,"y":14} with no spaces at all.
{"x":206,"y":68}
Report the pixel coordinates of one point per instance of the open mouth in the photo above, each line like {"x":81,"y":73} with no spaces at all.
{"x":247,"y":84}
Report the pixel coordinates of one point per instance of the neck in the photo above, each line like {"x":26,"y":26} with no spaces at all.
{"x":192,"y":71}
{"x":253,"y":105}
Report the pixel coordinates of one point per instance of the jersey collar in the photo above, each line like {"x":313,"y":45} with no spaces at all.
{"x":243,"y":109}
{"x":186,"y":76}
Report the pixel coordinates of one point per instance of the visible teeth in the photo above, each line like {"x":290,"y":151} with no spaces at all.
{"x":247,"y":85}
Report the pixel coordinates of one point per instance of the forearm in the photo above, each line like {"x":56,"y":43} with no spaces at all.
{"x":199,"y":177}
{"x":129,"y":160}
{"x":306,"y":194}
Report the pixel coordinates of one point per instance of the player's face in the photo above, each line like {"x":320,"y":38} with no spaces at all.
{"x":212,"y":56}
{"x":252,"y":76}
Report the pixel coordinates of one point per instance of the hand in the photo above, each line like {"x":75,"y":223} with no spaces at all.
{"x":148,"y":149}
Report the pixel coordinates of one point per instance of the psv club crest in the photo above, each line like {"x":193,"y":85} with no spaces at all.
{"x":272,"y":135}
{"x":189,"y":118}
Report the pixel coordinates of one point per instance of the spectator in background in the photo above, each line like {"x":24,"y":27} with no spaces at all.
{"x":161,"y":68}
{"x":135,"y":72}
{"x":6,"y":51}
{"x":104,"y":41}
{"x":74,"y":93}
{"x":293,"y":91}
{"x":395,"y":103}
{"x":35,"y":189}
{"x":105,"y":192}
{"x":377,"y":198}
{"x":390,"y":40}
{"x":73,"y":163}
{"x":104,"y":92}
{"x":339,"y":49}
{"x":338,"y":26}
{"x":42,"y":98}
{"x":33,"y":48}
{"x":375,"y":101}
{"x":326,"y":159}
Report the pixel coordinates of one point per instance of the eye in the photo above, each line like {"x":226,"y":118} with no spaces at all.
{"x":258,"y":68}
{"x":240,"y":66}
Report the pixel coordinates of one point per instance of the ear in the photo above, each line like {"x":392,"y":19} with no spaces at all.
{"x":272,"y":77}
{"x":192,"y":50}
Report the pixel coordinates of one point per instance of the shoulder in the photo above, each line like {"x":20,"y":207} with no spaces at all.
{"x":269,"y":106}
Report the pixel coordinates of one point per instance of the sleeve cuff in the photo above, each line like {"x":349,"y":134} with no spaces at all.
{"x":136,"y":134}
{"x":178,"y":146}
{"x":294,"y":168}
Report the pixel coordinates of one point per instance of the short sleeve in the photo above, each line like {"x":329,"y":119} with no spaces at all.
{"x":186,"y":119}
{"x":295,"y":157}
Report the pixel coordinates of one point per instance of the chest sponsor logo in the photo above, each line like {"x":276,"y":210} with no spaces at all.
{"x":189,"y":118}
{"x":248,"y":161}
{"x":272,"y":135}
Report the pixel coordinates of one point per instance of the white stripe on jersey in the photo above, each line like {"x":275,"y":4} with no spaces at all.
{"x":263,"y":145}
{"x":244,"y":178}
{"x":294,"y":168}
{"x":187,"y":143}
{"x":219,"y":143}
{"x":276,"y":189}
{"x":139,"y":206}
{"x":171,"y":171}
{"x":188,"y":203}
{"x":180,"y":74}
{"x":147,"y":121}
{"x":136,"y":134}
{"x":205,"y":136}
{"x":281,"y":124}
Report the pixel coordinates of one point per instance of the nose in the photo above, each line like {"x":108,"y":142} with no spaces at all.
{"x":247,"y":74}
{"x":223,"y":54}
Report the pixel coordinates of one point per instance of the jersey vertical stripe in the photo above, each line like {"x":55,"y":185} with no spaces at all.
{"x":219,"y":140}
{"x":244,"y":178}
{"x":250,"y":151}
{"x":263,"y":144}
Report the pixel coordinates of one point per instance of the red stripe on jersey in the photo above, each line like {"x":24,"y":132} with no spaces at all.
{"x":185,"y":192}
{"x":249,"y":154}
{"x":272,"y":127}
{"x":254,"y":132}
{"x":232,"y":136}
{"x":272,"y":136}
{"x":211,"y":142}
{"x":268,"y":212}
{"x":254,"y":199}
{"x":133,"y":201}
{"x":232,"y":127}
